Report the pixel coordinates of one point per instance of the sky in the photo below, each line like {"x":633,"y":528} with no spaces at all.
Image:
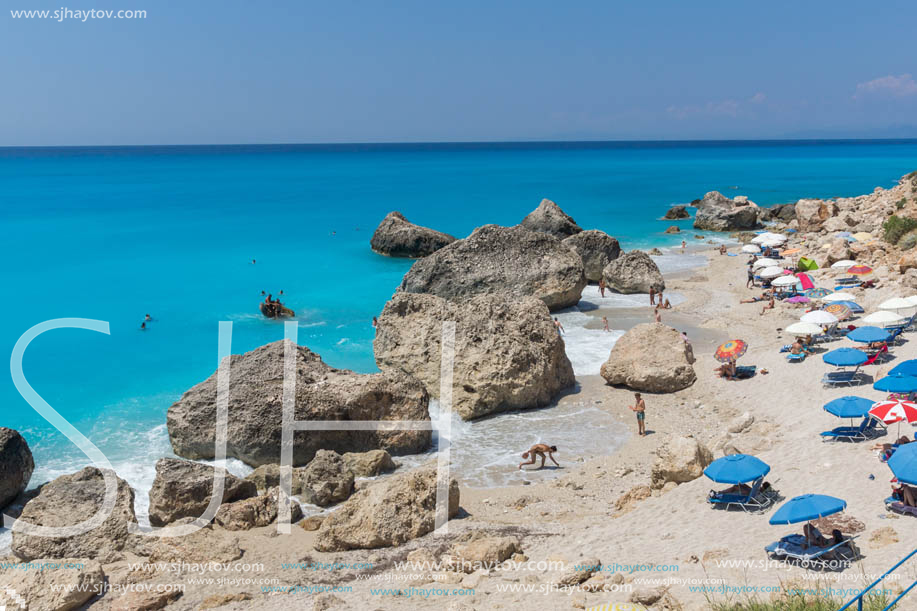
{"x":284,"y":71}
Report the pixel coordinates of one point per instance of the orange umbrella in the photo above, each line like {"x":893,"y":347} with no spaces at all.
{"x":791,"y":251}
{"x":841,"y":311}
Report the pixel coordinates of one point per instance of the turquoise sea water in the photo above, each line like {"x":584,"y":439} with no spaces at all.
{"x":115,"y":233}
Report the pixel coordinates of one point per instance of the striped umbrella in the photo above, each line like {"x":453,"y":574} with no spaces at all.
{"x":817,"y":293}
{"x":893,"y":411}
{"x":730,"y":351}
{"x":859,"y":270}
{"x":841,"y":311}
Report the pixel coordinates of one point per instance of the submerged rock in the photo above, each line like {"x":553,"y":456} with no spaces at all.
{"x":397,"y":237}
{"x":549,"y":218}
{"x":508,"y":354}
{"x":597,"y":249}
{"x":182,"y":489}
{"x":716,"y":212}
{"x":633,"y":272}
{"x":511,"y":261}
{"x":16,"y":465}
{"x":322,"y":393}
{"x":651,"y":357}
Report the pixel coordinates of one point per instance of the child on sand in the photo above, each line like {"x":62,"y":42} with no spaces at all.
{"x":640,"y":408}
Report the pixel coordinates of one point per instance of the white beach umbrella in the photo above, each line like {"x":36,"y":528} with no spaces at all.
{"x":769,"y":237}
{"x":771,"y":272}
{"x":751,"y":249}
{"x":912,"y":299}
{"x":838,"y":297}
{"x":765,"y":262}
{"x":819,"y":317}
{"x":882,"y":317}
{"x":843,"y":264}
{"x":803,"y":328}
{"x":897,"y":303}
{"x":784,"y":281}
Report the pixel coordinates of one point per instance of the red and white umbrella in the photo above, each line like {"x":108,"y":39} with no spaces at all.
{"x":893,"y":411}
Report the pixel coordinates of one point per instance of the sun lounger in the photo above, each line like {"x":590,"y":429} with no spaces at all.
{"x":848,"y":281}
{"x":895,"y":336}
{"x":755,"y":500}
{"x":792,"y":547}
{"x":879,"y":355}
{"x":866,"y":430}
{"x":796,"y":358}
{"x":893,"y":504}
{"x":842,"y":378}
{"x":746,"y":371}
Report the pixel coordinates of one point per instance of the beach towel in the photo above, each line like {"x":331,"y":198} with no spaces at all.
{"x":806,"y":281}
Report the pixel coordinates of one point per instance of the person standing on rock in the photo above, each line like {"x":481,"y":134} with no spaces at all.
{"x":559,"y":327}
{"x":640,"y":408}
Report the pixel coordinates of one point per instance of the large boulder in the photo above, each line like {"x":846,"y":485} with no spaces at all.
{"x":839,"y":251}
{"x":651,"y":357}
{"x":326,"y":480}
{"x":68,"y":501}
{"x":508,"y":354}
{"x":633,"y":272}
{"x":16,"y":465}
{"x":182,"y":489}
{"x":677,"y":212}
{"x":322,"y":393}
{"x":255,"y":512}
{"x":716,"y":212}
{"x":64,"y":588}
{"x":388,"y":513}
{"x":597,"y":249}
{"x":511,"y":261}
{"x":680,"y":460}
{"x":369,"y":464}
{"x":549,"y":218}
{"x":811,"y":214}
{"x":397,"y":237}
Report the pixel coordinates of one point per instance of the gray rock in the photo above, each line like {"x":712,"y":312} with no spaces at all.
{"x":549,"y":218}
{"x":633,"y":272}
{"x":255,"y":512}
{"x":597,"y":249}
{"x":68,"y":501}
{"x":397,"y":237}
{"x":716,"y":212}
{"x":673,"y":229}
{"x":680,"y":460}
{"x":369,"y":464}
{"x":16,"y":465}
{"x":651,"y":357}
{"x":61,"y":589}
{"x":182,"y":489}
{"x":508,"y":354}
{"x":326,"y":480}
{"x":511,"y":261}
{"x":322,"y":393}
{"x":677,"y":212}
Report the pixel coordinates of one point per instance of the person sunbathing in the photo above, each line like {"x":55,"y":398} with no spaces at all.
{"x":763,"y":297}
{"x":906,"y":494}
{"x":726,"y":370}
{"x":744,"y":489}
{"x":768,"y":306}
{"x":814,"y":538}
{"x":797,"y":347}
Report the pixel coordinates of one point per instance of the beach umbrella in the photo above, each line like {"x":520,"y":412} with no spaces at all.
{"x":882,"y":317}
{"x":859,"y":270}
{"x":803,"y":328}
{"x":764,"y":262}
{"x":817,"y":293}
{"x":854,"y":306}
{"x":912,"y":299}
{"x":839,"y":310}
{"x":894,"y":411}
{"x":751,"y":249}
{"x":903,"y":463}
{"x":868,"y":335}
{"x":897,"y":382}
{"x":907,"y":368}
{"x":797,"y":298}
{"x":730,"y":350}
{"x":840,"y":296}
{"x":843,"y":264}
{"x":807,"y":507}
{"x":849,"y":407}
{"x":819,"y":317}
{"x":769,"y":237}
{"x":736,"y":469}
{"x":897,"y":303}
{"x":845,"y":357}
{"x":771,"y":272}
{"x":785,"y":281}
{"x":790,"y":251}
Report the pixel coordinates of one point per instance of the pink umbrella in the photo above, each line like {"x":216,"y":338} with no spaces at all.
{"x":895,"y":410}
{"x":798,"y":299}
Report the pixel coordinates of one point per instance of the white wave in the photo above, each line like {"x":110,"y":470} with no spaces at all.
{"x":6,"y":540}
{"x":672,"y":263}
{"x":592,"y":299}
{"x":587,"y":348}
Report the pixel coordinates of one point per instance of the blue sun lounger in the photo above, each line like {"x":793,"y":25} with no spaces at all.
{"x":842,"y":378}
{"x":893,"y":504}
{"x":866,"y":430}
{"x":796,"y":358}
{"x":792,"y":547}
{"x":755,"y":500}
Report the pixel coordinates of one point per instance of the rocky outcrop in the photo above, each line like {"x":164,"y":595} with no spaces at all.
{"x":508,"y":354}
{"x":778,"y":212}
{"x":322,"y":393}
{"x":255,"y":512}
{"x":182,"y":489}
{"x":68,"y":501}
{"x":397,"y":237}
{"x":633,"y":272}
{"x":680,"y":460}
{"x":388,"y":513}
{"x":673,"y":229}
{"x":812,"y":213}
{"x":16,"y":465}
{"x":597,"y":249}
{"x":369,"y":464}
{"x":839,"y":251}
{"x":326,"y":480}
{"x":202,"y":546}
{"x":61,"y":589}
{"x":651,"y":357}
{"x":480,"y":550}
{"x":549,"y":218}
{"x":677,"y":212}
{"x":716,"y":212}
{"x":511,"y":261}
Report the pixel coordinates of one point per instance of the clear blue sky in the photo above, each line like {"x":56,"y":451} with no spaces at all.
{"x":201,"y":71}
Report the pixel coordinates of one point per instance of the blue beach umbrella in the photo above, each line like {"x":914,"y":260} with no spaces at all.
{"x":903,"y":463}
{"x":849,"y":407}
{"x":907,"y":368}
{"x":817,"y":293}
{"x":845,"y":357}
{"x":896,"y":382}
{"x":736,"y":469}
{"x":807,"y":507}
{"x":868,"y":334}
{"x":854,"y":306}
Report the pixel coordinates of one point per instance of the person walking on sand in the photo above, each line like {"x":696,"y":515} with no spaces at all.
{"x":539,"y":449}
{"x":652,"y":296}
{"x":602,"y":286}
{"x":559,"y":327}
{"x":657,"y":317}
{"x":605,"y":324}
{"x":639,"y":407}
